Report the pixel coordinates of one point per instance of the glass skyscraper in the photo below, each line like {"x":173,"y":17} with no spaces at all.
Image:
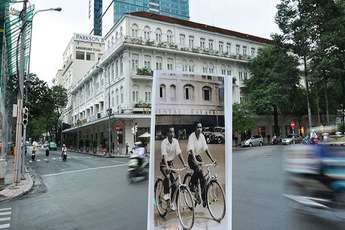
{"x":173,"y":8}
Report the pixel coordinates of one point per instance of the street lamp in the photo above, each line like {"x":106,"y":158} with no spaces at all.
{"x":20,"y":138}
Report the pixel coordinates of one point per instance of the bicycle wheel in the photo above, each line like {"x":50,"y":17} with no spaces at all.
{"x":160,"y":203}
{"x":186,"y":181}
{"x":215,"y":200}
{"x":185,"y":211}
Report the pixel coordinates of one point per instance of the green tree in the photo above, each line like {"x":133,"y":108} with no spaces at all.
{"x":242,"y":118}
{"x":295,"y":20}
{"x":274,"y":82}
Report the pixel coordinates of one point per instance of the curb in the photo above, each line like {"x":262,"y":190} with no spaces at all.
{"x":26,"y":191}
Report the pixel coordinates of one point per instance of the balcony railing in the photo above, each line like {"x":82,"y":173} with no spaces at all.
{"x":144,"y":71}
{"x":199,"y":50}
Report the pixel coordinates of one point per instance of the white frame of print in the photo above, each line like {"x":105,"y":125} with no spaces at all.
{"x":228,"y":146}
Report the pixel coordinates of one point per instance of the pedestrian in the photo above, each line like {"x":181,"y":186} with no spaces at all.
{"x":195,"y":147}
{"x":170,"y":149}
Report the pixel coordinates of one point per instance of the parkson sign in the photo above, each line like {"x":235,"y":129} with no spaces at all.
{"x":88,"y":38}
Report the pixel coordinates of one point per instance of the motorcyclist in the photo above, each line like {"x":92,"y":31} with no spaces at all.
{"x":138,"y":152}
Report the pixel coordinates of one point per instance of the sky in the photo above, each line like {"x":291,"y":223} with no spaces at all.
{"x":53,"y":30}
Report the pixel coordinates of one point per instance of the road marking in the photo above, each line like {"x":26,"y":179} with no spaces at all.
{"x":83,"y":170}
{"x":3,"y":226}
{"x":5,"y":213}
{"x":5,"y":209}
{"x":5,"y":219}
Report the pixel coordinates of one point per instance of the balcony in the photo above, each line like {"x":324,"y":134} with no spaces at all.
{"x":142,"y":108}
{"x":143,"y":74}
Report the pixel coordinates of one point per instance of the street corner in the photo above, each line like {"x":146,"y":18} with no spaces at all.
{"x":16,"y":190}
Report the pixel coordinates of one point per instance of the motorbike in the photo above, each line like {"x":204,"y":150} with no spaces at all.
{"x":317,"y":178}
{"x":138,"y":164}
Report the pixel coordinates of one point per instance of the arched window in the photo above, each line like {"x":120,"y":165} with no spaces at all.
{"x":147,"y":32}
{"x":169,"y":36}
{"x":173,"y":92}
{"x":207,"y":93}
{"x":188,"y":92}
{"x":158,"y":35}
{"x":162,"y":91}
{"x":135,"y":30}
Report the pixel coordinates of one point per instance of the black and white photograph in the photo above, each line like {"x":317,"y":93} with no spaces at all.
{"x":189,"y":152}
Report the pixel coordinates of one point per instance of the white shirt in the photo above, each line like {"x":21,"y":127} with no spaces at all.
{"x":197,"y":145}
{"x":170,"y":150}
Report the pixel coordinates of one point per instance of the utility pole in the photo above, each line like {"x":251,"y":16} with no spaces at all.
{"x":20,"y":74}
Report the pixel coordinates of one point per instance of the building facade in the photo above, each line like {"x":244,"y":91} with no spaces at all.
{"x":81,"y":53}
{"x":121,"y":81}
{"x":173,"y":8}
{"x":95,"y":16}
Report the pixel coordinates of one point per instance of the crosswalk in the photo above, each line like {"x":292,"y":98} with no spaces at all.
{"x":5,"y":218}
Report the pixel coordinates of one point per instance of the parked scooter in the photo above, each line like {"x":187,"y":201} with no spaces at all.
{"x":138,"y":164}
{"x":318,"y":179}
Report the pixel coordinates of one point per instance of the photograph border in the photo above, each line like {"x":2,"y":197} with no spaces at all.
{"x":228,"y":145}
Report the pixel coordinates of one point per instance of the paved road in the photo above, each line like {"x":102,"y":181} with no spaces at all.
{"x":85,"y":192}
{"x":258,"y":185}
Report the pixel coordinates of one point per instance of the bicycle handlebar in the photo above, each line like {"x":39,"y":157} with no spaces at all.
{"x":178,"y":170}
{"x":207,"y":165}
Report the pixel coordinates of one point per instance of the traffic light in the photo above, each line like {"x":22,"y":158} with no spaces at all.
{"x":25,"y":115}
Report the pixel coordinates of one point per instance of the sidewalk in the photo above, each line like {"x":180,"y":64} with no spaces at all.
{"x":11,"y":190}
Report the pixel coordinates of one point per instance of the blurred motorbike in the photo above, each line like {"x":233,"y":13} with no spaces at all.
{"x":317,"y":176}
{"x":138,"y":164}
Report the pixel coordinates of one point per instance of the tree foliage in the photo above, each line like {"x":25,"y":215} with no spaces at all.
{"x":242,"y":118}
{"x":274,"y":80}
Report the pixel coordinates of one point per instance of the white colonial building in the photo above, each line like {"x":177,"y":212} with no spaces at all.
{"x":122,"y":79}
{"x":81,"y":53}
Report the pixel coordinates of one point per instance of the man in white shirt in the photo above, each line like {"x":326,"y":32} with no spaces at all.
{"x":170,"y":148}
{"x":196,"y":146}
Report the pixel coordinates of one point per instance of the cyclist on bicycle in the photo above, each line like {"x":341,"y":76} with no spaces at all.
{"x":170,"y":148}
{"x":196,"y":146}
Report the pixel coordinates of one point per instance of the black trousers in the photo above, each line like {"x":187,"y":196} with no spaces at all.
{"x":168,"y":174}
{"x":197,"y":175}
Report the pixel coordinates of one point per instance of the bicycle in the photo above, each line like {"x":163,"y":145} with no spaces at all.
{"x":181,"y":196}
{"x":215,"y":197}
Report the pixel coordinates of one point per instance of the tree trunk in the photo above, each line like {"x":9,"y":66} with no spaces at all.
{"x":343,"y":107}
{"x":317,"y":101}
{"x":307,"y":88}
{"x":275,"y":116}
{"x":326,"y":102}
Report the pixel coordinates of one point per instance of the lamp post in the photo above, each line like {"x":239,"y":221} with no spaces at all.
{"x":20,"y":138}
